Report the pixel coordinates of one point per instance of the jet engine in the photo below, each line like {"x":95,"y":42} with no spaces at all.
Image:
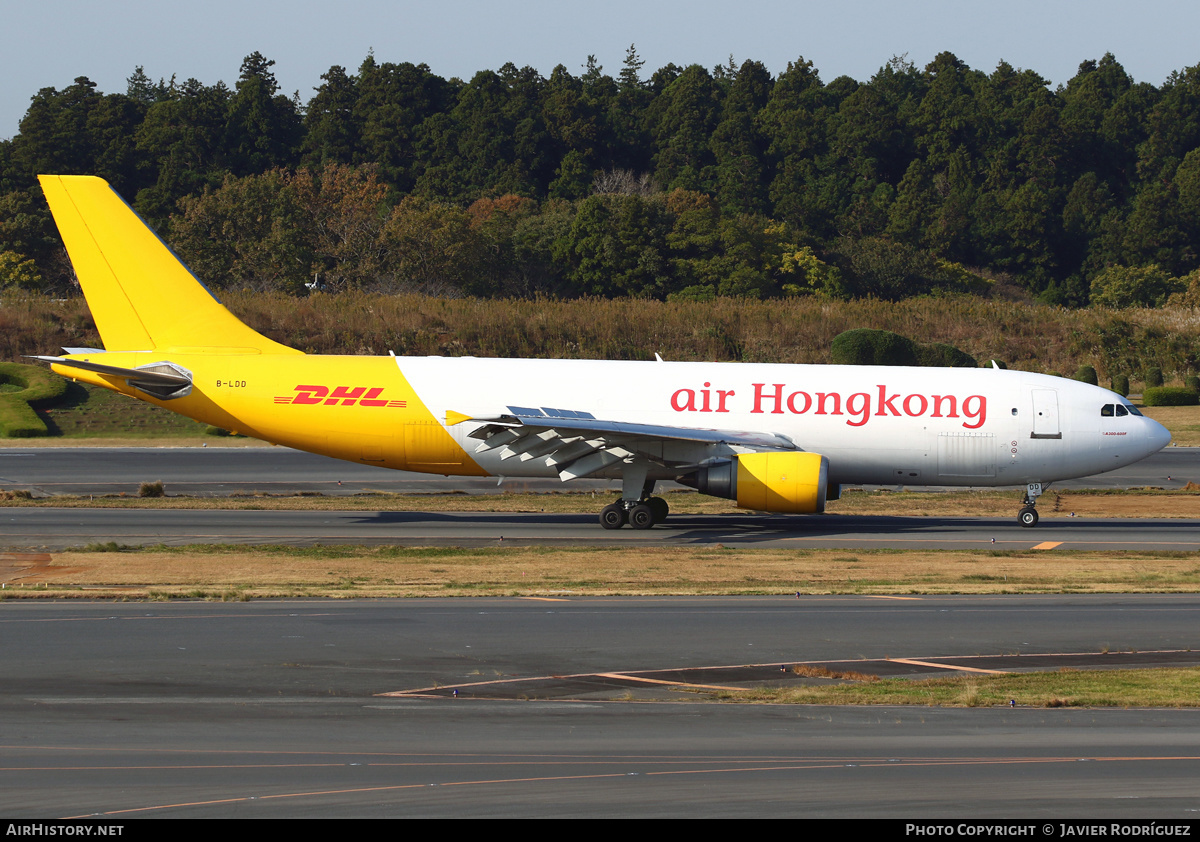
{"x":795,"y":482}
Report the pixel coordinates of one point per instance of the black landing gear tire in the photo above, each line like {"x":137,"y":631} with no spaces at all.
{"x":613,"y":516}
{"x":1028,"y":516}
{"x":641,"y":516}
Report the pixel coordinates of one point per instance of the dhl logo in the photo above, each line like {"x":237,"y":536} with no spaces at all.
{"x":348,"y":396}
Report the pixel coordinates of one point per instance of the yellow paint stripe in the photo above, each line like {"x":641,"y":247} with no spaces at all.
{"x":543,"y":599}
{"x":1048,"y":545}
{"x":917,"y":663}
{"x":884,"y":596}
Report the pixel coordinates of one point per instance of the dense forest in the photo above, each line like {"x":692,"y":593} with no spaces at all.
{"x":684,"y":183}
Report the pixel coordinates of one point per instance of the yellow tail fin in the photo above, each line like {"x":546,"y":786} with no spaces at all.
{"x":142,"y":297}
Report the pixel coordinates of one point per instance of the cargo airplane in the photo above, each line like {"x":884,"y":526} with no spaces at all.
{"x":776,"y":438}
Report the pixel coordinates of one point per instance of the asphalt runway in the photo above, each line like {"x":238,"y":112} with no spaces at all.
{"x":289,"y":708}
{"x":38,"y":529}
{"x":279,"y":470}
{"x":224,"y":471}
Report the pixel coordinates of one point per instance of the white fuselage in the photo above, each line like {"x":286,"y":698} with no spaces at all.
{"x":876,"y":425}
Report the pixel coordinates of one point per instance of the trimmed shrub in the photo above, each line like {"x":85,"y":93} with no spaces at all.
{"x":1170,"y":396}
{"x":1087,"y":374}
{"x":1153,"y":377}
{"x":1120,"y":385}
{"x":946,"y":356}
{"x":1192,"y":382}
{"x":864,"y":346}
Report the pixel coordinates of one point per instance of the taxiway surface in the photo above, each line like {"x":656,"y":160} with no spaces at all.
{"x":280,"y":470}
{"x":277,"y":709}
{"x":224,"y":471}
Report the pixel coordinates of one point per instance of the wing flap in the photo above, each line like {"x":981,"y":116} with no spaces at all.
{"x":577,"y":444}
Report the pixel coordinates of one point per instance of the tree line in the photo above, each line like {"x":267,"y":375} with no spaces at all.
{"x":688,"y":182}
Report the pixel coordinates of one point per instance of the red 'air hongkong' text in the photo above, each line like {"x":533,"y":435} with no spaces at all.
{"x":857,"y":407}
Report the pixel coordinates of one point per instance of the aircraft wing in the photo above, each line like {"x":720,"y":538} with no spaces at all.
{"x":577,"y":444}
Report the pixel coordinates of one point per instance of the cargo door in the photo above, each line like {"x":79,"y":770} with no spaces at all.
{"x":1045,"y":415}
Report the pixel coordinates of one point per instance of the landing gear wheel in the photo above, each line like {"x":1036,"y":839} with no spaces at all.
{"x":659,"y":507}
{"x":613,"y":516}
{"x":641,"y":516}
{"x":1028,"y":516}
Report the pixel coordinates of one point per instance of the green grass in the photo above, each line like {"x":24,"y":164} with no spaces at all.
{"x":22,"y":388}
{"x":87,"y":411}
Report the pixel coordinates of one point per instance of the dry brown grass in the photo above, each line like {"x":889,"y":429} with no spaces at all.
{"x":240,"y":572}
{"x":1157,"y":503}
{"x":811,"y":671}
{"x":1182,"y":421}
{"x":1117,"y":503}
{"x":1173,"y":688}
{"x":1027,"y":336}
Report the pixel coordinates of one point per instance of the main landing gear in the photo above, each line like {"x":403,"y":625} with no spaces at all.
{"x":1028,"y":515}
{"x":640,"y":514}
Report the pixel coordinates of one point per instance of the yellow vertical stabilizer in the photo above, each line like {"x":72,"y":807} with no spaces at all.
{"x":142,"y":297}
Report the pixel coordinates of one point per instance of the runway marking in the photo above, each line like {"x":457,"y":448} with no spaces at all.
{"x":421,"y":690}
{"x":884,"y":596}
{"x":439,"y":691}
{"x":623,"y":677}
{"x":1048,"y":545}
{"x":916,"y":663}
{"x":544,"y":599}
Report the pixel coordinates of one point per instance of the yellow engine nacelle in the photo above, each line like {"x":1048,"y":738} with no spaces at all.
{"x":793,"y":482}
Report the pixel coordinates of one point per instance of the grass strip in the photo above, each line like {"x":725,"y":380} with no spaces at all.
{"x":225,"y":572}
{"x":1179,"y":503}
{"x":1168,"y":687}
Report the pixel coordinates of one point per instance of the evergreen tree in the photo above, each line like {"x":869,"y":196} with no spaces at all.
{"x":262,"y":128}
{"x":687,"y":113}
{"x":738,"y":145}
{"x":332,"y":133}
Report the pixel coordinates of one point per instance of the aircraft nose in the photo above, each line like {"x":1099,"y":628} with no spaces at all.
{"x":1157,"y":436}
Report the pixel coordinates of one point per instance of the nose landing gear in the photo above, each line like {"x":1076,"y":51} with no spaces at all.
{"x":1028,"y":515}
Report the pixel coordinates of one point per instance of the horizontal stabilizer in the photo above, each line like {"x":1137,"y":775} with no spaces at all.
{"x":163,"y":380}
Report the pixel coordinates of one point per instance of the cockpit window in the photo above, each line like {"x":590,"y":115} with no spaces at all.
{"x":1133,"y":410}
{"x":1106,"y":411}
{"x":1121,"y":410}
